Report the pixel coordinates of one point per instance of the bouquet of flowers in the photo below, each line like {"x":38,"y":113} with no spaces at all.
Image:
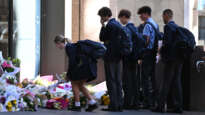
{"x":58,"y":103}
{"x":105,"y":100}
{"x":62,"y":77}
{"x":16,"y":62}
{"x":11,"y":106}
{"x":31,"y":102}
{"x":11,"y":66}
{"x":6,"y":65}
{"x":11,"y":80}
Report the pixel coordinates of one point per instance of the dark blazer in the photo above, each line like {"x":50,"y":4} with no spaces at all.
{"x":108,"y":35}
{"x":168,"y":52}
{"x":88,"y":66}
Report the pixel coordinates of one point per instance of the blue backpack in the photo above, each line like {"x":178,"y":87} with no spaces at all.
{"x":92,"y":49}
{"x":184,"y":43}
{"x":138,"y":45}
{"x":125,"y":44}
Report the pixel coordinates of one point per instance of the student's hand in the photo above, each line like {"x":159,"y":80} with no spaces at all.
{"x":148,"y":39}
{"x":102,"y":22}
{"x":139,"y":62}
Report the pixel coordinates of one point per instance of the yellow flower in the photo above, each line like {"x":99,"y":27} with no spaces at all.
{"x":10,"y":109}
{"x":9,"y":104}
{"x":14,"y":102}
{"x":106,"y":100}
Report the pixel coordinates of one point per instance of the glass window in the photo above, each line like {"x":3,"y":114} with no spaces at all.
{"x":202,"y":28}
{"x":4,"y":14}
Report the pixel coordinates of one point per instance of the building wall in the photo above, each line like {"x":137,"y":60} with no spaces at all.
{"x":52,"y":59}
{"x":157,"y":8}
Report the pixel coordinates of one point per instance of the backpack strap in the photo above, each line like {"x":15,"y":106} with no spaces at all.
{"x":155,"y":29}
{"x":157,"y":34}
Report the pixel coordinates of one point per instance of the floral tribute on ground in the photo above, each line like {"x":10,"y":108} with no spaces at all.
{"x":49,"y":92}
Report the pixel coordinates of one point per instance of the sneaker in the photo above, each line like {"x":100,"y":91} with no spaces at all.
{"x":91,"y":108}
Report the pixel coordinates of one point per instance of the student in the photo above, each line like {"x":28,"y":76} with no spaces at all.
{"x":149,"y":54}
{"x":130,"y":80}
{"x":109,"y":35}
{"x":172,"y":69}
{"x":79,"y":72}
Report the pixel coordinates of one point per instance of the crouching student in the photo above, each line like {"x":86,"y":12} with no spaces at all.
{"x":81,"y":70}
{"x":130,"y":80}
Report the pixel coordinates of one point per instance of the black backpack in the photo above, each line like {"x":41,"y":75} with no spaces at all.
{"x":125,"y":44}
{"x":184,"y":43}
{"x":93,"y":49}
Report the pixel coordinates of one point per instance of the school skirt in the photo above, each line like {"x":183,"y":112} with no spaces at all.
{"x":86,"y":72}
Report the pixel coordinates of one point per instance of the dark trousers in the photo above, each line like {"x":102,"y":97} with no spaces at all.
{"x":172,"y":84}
{"x":130,"y":82}
{"x":114,"y":84}
{"x":148,"y":78}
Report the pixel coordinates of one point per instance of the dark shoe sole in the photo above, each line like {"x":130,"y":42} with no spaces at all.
{"x":91,"y":108}
{"x":110,"y":110}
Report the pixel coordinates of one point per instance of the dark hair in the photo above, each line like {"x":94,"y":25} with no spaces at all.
{"x":60,"y":39}
{"x":145,"y":9}
{"x":169,"y":12}
{"x":105,"y":11}
{"x":125,"y":13}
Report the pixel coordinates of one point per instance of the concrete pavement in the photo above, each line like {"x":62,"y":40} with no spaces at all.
{"x":97,"y":112}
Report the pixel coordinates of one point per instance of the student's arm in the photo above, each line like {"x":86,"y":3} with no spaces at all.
{"x":147,"y":34}
{"x":105,"y":33}
{"x":168,"y":36}
{"x":134,"y":29}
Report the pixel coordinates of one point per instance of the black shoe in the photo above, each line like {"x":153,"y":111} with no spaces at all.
{"x":75,"y":108}
{"x":128,"y":107}
{"x":120,"y":109}
{"x":177,"y":110}
{"x":91,"y":108}
{"x":109,"y":109}
{"x":135,"y":108}
{"x":159,"y":110}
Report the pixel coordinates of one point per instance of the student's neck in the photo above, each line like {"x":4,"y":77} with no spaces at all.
{"x":148,"y":18}
{"x":169,"y":20}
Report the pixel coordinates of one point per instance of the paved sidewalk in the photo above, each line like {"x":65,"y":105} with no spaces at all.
{"x":97,"y":112}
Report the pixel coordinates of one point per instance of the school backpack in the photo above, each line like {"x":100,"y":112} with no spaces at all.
{"x":125,"y":43}
{"x":93,"y":49}
{"x":138,"y":44}
{"x":184,"y":43}
{"x":158,"y":36}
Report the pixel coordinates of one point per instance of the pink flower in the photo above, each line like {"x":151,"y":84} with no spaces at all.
{"x":63,"y":102}
{"x":6,"y":65}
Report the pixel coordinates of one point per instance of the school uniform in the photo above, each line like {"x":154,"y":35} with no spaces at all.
{"x":148,"y":64}
{"x":129,"y":78}
{"x":81,"y":66}
{"x":108,"y":35}
{"x":172,"y":70}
